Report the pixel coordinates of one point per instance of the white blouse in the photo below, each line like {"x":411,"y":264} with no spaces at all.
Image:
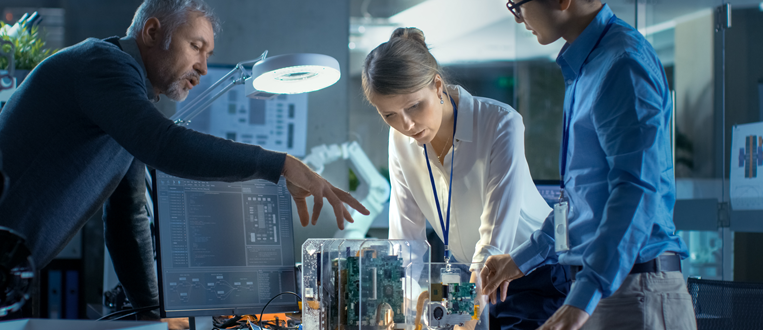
{"x":495,"y":205}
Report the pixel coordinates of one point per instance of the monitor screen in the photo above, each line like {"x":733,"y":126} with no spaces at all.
{"x":549,"y":189}
{"x":223,"y":248}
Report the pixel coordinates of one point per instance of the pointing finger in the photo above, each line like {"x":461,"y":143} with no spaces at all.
{"x":304,"y":216}
{"x":347,"y":198}
{"x":317,"y":206}
{"x":347,"y":215}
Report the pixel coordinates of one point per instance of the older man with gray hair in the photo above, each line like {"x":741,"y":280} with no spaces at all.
{"x":79,"y":131}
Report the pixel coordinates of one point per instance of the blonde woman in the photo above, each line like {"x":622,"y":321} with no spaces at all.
{"x":458,"y":161}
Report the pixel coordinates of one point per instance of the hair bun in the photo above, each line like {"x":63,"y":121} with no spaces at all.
{"x":409,"y":33}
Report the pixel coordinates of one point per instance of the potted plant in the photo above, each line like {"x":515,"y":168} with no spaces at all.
{"x":28,"y":46}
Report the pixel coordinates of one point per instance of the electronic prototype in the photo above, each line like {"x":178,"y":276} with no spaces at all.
{"x":359,"y":284}
{"x":452,"y":304}
{"x":384,"y":284}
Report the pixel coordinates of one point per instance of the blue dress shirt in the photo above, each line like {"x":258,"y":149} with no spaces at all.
{"x":619,"y":179}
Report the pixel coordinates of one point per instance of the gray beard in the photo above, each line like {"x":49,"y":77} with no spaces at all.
{"x":176,"y":92}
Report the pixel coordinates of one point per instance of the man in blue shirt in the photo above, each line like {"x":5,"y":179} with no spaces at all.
{"x":618,"y":178}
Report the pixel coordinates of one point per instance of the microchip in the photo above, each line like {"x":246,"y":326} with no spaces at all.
{"x":437,"y":292}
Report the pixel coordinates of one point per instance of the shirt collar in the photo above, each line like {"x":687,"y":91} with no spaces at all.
{"x":465,"y":122}
{"x":573,"y":55}
{"x":130,"y":46}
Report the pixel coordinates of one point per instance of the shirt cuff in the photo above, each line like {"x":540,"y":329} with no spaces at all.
{"x":584,"y":294}
{"x":271,"y":165}
{"x":527,"y":257}
{"x":481,"y":253}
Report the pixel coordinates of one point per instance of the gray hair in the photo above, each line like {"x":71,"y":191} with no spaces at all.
{"x":171,"y":14}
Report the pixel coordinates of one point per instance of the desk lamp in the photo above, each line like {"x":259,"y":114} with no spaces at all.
{"x":282,"y":74}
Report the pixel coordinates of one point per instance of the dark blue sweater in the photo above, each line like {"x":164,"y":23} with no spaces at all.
{"x":79,"y":124}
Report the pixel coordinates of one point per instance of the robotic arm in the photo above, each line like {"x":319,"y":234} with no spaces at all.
{"x":378,"y":187}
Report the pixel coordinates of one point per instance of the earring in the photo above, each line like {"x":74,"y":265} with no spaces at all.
{"x":441,"y":101}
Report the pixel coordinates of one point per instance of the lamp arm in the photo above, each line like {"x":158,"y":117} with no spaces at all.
{"x":189,"y":111}
{"x":182,"y":114}
{"x":251,"y":62}
{"x":185,"y":118}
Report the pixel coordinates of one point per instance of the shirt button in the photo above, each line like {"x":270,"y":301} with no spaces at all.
{"x":569,"y":81}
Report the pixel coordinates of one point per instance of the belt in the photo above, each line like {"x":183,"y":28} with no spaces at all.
{"x":667,"y":262}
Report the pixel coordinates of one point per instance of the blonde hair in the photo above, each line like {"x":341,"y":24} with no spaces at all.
{"x":402,"y":65}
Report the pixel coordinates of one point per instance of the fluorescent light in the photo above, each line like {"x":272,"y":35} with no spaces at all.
{"x":672,"y":23}
{"x":761,"y":6}
{"x":439,"y":23}
{"x":295,"y":73}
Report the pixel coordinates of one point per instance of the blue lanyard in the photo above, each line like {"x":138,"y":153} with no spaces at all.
{"x":445,"y":225}
{"x":567,"y":121}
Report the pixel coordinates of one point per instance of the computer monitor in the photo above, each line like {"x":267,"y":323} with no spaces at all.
{"x":223,"y":248}
{"x":549,"y":189}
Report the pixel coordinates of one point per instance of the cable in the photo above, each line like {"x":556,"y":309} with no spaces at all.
{"x":274,"y":297}
{"x":128,"y":312}
{"x":124,"y":316}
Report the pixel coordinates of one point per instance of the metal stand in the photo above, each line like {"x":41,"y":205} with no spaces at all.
{"x":184,"y":116}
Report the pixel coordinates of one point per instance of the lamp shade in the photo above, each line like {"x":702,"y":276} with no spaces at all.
{"x":295,"y":73}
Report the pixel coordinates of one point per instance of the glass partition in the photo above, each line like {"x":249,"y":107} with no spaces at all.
{"x":715,"y":74}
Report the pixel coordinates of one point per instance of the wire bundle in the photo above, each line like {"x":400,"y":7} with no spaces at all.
{"x":118,"y":315}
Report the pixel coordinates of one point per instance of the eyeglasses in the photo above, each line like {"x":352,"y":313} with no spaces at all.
{"x":514,"y":7}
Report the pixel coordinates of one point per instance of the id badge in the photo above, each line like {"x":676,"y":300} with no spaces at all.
{"x":561,"y":236}
{"x":450,"y":275}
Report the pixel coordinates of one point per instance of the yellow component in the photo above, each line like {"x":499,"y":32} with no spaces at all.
{"x":437,"y":292}
{"x":299,"y":303}
{"x":423,"y":297}
{"x":476,"y":315}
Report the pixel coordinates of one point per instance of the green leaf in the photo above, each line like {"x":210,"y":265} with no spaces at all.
{"x":29,"y":48}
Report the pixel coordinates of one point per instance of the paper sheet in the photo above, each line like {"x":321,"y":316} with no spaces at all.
{"x":746,"y":170}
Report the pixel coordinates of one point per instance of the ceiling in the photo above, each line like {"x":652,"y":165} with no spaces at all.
{"x":483,"y":30}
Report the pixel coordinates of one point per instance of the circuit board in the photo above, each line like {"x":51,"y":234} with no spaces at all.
{"x":458,"y":298}
{"x":369,"y":295}
{"x":452,"y":304}
{"x":461,"y":298}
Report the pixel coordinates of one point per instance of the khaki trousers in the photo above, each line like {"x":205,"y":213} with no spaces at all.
{"x":657,"y":300}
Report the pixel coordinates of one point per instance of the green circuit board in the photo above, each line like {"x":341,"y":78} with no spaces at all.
{"x":367,"y":294}
{"x":461,"y":298}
